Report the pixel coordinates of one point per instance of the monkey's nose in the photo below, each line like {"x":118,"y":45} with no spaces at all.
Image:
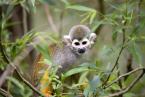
{"x":82,"y":50}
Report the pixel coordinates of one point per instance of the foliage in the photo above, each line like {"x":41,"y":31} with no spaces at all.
{"x":124,"y":28}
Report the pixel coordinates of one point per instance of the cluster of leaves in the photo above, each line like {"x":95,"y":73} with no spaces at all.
{"x":11,"y":49}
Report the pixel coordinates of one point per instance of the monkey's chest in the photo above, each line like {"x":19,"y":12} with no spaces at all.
{"x":65,"y":59}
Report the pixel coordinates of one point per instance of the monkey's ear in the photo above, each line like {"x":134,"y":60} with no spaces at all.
{"x":67,"y":40}
{"x":92,"y":38}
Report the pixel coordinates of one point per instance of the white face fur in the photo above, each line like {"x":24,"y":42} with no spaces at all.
{"x":80,"y":46}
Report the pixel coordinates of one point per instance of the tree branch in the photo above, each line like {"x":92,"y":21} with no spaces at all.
{"x":9,"y":70}
{"x":49,"y":18}
{"x":28,"y":84}
{"x":5,"y":93}
{"x":124,"y":75}
{"x":12,"y":66}
{"x":121,"y":50}
{"x":101,"y":10}
{"x":116,"y":63}
{"x":123,"y":91}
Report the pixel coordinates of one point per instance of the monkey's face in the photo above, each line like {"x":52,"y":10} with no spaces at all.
{"x":80,"y":46}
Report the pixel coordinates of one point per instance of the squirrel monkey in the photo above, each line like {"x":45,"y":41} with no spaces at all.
{"x":74,"y":45}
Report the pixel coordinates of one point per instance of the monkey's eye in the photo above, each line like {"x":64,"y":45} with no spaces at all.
{"x":84,"y":42}
{"x":77,"y":43}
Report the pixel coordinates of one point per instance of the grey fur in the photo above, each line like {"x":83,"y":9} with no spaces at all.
{"x":65,"y":58}
{"x":79,"y":32}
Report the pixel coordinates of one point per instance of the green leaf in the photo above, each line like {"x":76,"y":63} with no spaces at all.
{"x":16,"y":82}
{"x":32,"y":6}
{"x":33,"y":2}
{"x":91,"y":90}
{"x":92,"y":17}
{"x":75,"y":71}
{"x":129,"y":94}
{"x":114,"y":35}
{"x":17,"y":47}
{"x":83,"y":77}
{"x":1,"y":66}
{"x":95,"y":82}
{"x":115,"y":87}
{"x":97,"y":24}
{"x":86,"y":18}
{"x":47,"y":61}
{"x":135,"y":51}
{"x":65,"y":2}
{"x":43,"y":49}
{"x":51,"y":2}
{"x":81,"y":8}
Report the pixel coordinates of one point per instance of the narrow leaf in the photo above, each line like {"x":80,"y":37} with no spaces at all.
{"x":93,"y":15}
{"x":16,"y":82}
{"x":80,"y":8}
{"x":75,"y":71}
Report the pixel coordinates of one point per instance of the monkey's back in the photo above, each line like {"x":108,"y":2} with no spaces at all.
{"x":61,"y":55}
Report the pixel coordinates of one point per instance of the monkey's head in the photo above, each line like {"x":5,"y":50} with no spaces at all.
{"x":80,"y":39}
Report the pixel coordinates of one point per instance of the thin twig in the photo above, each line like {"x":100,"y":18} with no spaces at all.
{"x":78,"y":94}
{"x":118,"y":74}
{"x":123,"y":91}
{"x":124,"y":75}
{"x":128,"y":66}
{"x":9,"y":70}
{"x":1,"y":46}
{"x":124,"y":38}
{"x":25,"y":27}
{"x":101,"y":10}
{"x":50,"y":19}
{"x":121,"y":50}
{"x":116,"y":63}
{"x":5,"y":93}
{"x":28,"y":84}
{"x":12,"y":66}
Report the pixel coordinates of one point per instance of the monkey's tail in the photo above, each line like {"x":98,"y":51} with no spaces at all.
{"x":41,"y":80}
